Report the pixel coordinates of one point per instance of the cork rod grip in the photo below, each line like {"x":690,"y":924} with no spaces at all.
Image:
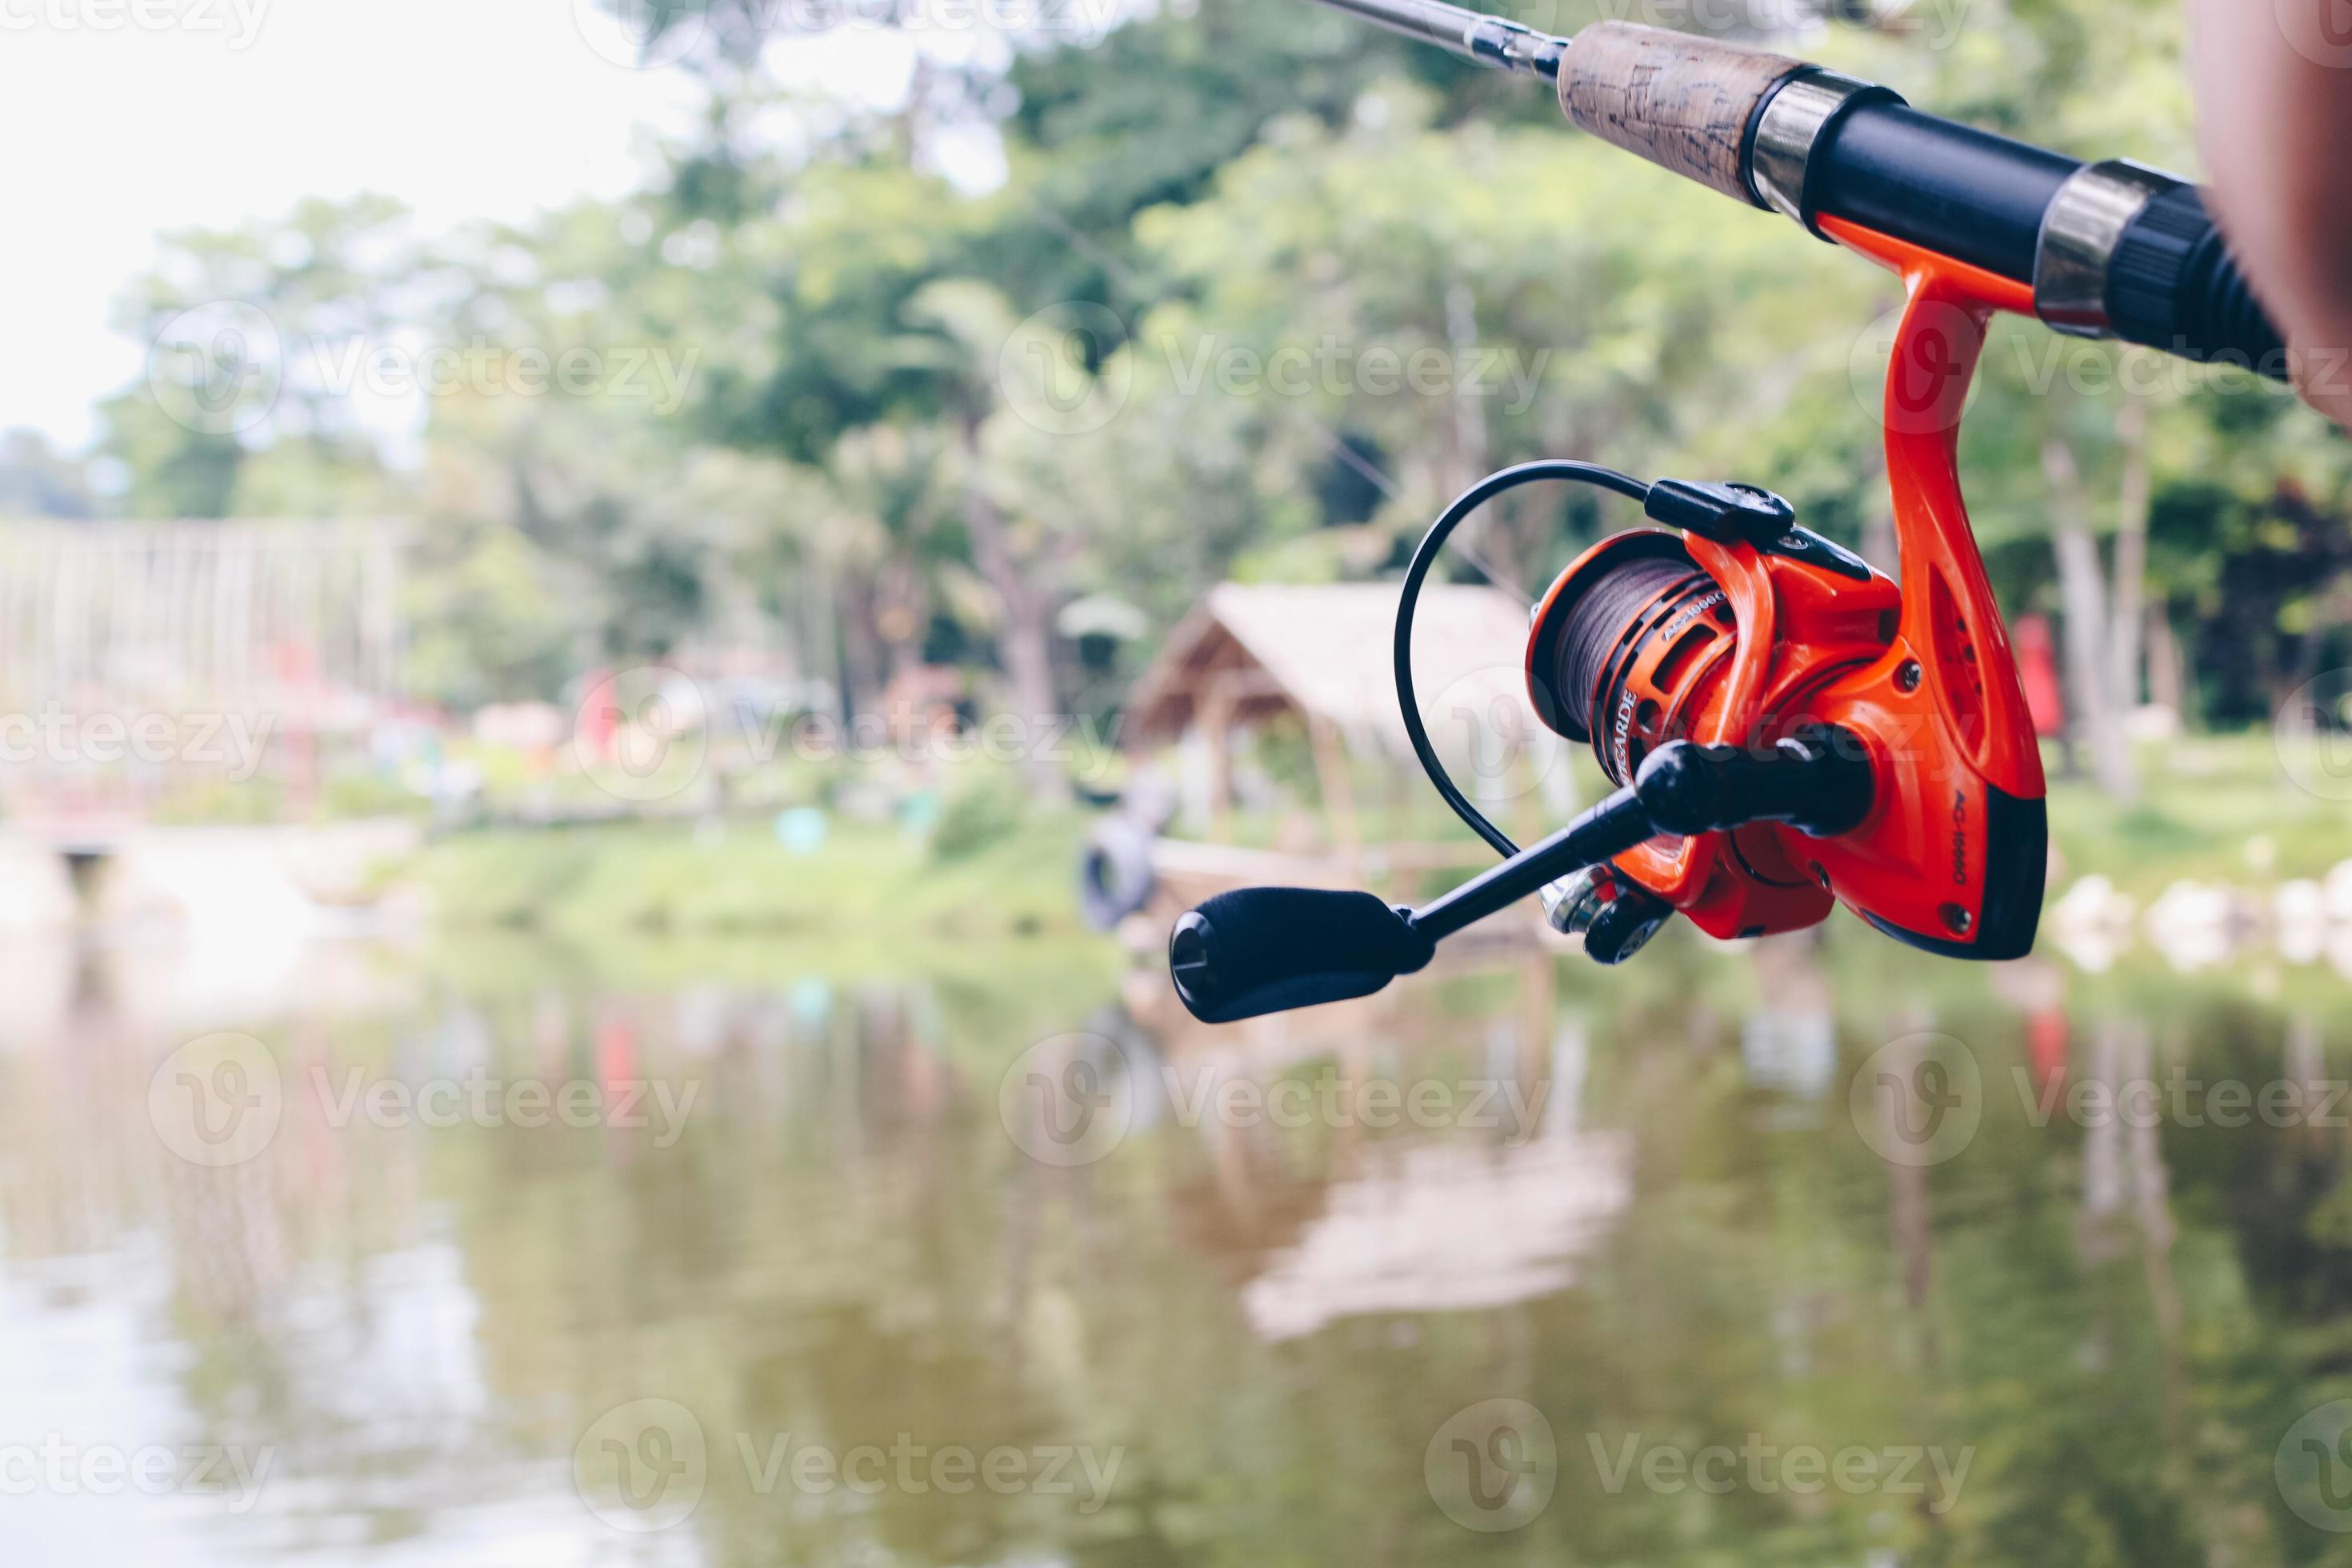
{"x":1681,"y":101}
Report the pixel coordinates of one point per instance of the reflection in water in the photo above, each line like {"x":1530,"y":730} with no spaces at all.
{"x":1637,"y":1202}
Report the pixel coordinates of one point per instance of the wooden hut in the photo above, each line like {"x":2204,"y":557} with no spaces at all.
{"x":1248,"y":654}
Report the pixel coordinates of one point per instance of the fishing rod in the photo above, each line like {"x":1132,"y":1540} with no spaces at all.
{"x":1788,"y":728}
{"x":2111,"y":249}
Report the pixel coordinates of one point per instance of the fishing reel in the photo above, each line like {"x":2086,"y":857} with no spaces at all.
{"x":1789,"y":728}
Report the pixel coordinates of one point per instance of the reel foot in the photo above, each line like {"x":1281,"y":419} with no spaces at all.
{"x":1615,"y":916}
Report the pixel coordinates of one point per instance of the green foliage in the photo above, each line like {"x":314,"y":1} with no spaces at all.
{"x":977,"y":816}
{"x":893,"y":418}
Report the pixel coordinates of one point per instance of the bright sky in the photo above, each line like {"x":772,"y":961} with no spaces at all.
{"x":207,"y":112}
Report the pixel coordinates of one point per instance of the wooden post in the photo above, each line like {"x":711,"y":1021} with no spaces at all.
{"x":1338,"y":788}
{"x":1216,"y":721}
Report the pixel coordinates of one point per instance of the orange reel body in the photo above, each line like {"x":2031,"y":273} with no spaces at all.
{"x":1775,"y":630}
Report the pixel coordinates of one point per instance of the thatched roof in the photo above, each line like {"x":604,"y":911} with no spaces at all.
{"x":1324,"y":652}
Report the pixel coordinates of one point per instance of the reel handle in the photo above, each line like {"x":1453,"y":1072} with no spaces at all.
{"x":1268,"y":950}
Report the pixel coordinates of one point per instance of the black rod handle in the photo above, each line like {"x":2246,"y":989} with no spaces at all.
{"x":2110,"y":248}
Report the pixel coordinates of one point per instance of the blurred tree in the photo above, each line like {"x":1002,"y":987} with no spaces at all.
{"x":1259,"y":289}
{"x":37,"y":481}
{"x":263,"y":337}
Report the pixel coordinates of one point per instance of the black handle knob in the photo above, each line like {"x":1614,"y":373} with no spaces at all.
{"x":1818,"y":781}
{"x":1267,"y":949}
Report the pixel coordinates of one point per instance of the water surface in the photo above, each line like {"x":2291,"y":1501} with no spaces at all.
{"x":1800,"y":1254}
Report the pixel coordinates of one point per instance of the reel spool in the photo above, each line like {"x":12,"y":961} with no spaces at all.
{"x":1629,"y":648}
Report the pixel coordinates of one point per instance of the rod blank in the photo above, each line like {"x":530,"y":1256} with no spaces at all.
{"x":1473,"y":35}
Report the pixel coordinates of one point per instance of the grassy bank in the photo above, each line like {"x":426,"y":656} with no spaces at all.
{"x":867,"y":881}
{"x":2212,"y":808}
